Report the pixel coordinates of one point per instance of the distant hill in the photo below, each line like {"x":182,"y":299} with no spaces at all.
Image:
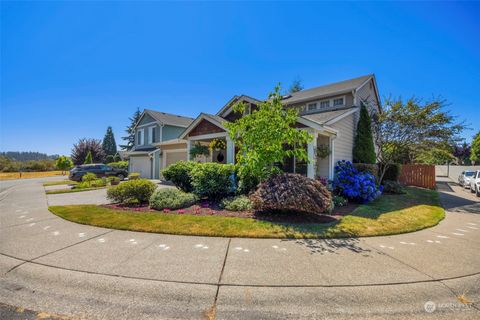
{"x":27,"y":155}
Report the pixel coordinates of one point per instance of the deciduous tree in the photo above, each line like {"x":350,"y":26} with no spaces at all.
{"x":266,"y":137}
{"x":475,"y":150}
{"x":83,"y":147}
{"x":413,"y":127}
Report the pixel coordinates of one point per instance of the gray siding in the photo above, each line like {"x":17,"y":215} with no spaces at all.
{"x":146,"y":119}
{"x":343,"y":149}
{"x":171,"y":132}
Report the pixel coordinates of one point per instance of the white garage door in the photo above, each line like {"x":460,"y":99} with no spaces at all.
{"x":141,"y":165}
{"x":174,"y":156}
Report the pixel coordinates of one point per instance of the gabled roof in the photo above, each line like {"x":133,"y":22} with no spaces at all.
{"x":235,"y":100}
{"x":330,"y":117}
{"x":327,"y":90}
{"x":216,"y":120}
{"x":167,"y":118}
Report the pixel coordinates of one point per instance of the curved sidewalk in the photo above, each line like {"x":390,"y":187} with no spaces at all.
{"x":47,"y":263}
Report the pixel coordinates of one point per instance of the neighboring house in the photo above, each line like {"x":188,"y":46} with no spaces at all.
{"x":330,"y":113}
{"x":156,"y":144}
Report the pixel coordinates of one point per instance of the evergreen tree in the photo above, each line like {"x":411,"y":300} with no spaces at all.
{"x":295,"y":86}
{"x":130,"y":137}
{"x":109,"y":145}
{"x":363,"y":149}
{"x":88,"y":158}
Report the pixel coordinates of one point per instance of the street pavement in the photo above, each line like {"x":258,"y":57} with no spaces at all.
{"x":58,"y":267}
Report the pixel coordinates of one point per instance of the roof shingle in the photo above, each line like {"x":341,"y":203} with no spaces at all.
{"x":171,"y":119}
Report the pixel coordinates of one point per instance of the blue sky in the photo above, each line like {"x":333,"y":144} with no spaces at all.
{"x":69,"y":70}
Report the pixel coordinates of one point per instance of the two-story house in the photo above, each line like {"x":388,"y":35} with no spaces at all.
{"x":330,"y":113}
{"x":150,"y":153}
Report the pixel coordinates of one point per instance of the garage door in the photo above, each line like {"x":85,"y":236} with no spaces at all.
{"x":174,"y":156}
{"x":141,"y":165}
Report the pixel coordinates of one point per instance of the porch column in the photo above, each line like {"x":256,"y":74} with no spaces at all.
{"x":312,"y":159}
{"x":230,"y":150}
{"x":331,"y":170}
{"x":189,"y":146}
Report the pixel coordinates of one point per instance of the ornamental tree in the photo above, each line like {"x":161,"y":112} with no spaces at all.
{"x":85,"y":146}
{"x":63,"y":163}
{"x":109,"y":145}
{"x":264,"y":138}
{"x":363,"y":148}
{"x":88,"y":158}
{"x":407,"y":129}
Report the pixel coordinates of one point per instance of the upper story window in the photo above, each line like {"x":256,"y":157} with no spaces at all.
{"x":338,"y":102}
{"x":325,"y":104}
{"x":151,"y":135}
{"x":140,"y":137}
{"x":312,"y":106}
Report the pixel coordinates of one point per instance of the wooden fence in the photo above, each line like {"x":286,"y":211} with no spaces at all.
{"x":419,"y":175}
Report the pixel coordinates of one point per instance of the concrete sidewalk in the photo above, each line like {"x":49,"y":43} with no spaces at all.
{"x":49,"y":264}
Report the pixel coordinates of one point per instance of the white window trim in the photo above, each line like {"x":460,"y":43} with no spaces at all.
{"x":318,"y":103}
{"x":142,"y":136}
{"x":150,"y":134}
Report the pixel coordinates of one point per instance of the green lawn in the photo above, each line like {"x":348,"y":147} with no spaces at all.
{"x":390,"y":214}
{"x":58,"y":191}
{"x":59,"y":183}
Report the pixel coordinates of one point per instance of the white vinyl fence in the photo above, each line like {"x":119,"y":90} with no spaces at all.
{"x":453,"y":171}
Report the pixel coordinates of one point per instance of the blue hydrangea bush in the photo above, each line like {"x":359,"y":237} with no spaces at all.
{"x":355,"y":185}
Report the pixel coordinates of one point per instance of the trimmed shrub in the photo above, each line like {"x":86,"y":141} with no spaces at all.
{"x":393,"y":172}
{"x":134,"y":176}
{"x":132,"y":191}
{"x":213,"y":180}
{"x":292,"y":192}
{"x":89,"y":177}
{"x":367,"y":168}
{"x":247,"y":183}
{"x":339,"y":201}
{"x":392,"y":187}
{"x":169,"y":198}
{"x":96,"y":183}
{"x":354,"y":185}
{"x":239,"y":203}
{"x":179,"y":174}
{"x":113,"y":180}
{"x":120,"y":165}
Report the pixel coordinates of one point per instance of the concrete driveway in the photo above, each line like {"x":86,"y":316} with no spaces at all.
{"x":52,"y":265}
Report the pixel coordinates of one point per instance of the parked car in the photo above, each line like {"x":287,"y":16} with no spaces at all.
{"x":464,"y":178}
{"x":100,"y":169}
{"x":475,"y":183}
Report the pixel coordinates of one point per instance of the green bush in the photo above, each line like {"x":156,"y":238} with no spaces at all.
{"x":95,"y":183}
{"x":393,"y":172}
{"x":367,"y":168}
{"x":89,"y":177}
{"x":392,"y":187}
{"x":213,"y":180}
{"x":239,"y":203}
{"x":113,"y":180}
{"x":180,"y":174}
{"x":339,"y":201}
{"x":170,"y":198}
{"x":247,"y":183}
{"x":120,"y":165}
{"x":132,"y":191}
{"x":133,"y":176}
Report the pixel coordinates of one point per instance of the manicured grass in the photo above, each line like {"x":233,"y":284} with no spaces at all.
{"x":59,"y":183}
{"x":71,"y":190}
{"x":390,"y":214}
{"x":28,"y":175}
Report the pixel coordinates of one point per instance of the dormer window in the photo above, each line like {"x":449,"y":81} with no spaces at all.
{"x":338,"y":102}
{"x":325,"y":104}
{"x":312,"y":106}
